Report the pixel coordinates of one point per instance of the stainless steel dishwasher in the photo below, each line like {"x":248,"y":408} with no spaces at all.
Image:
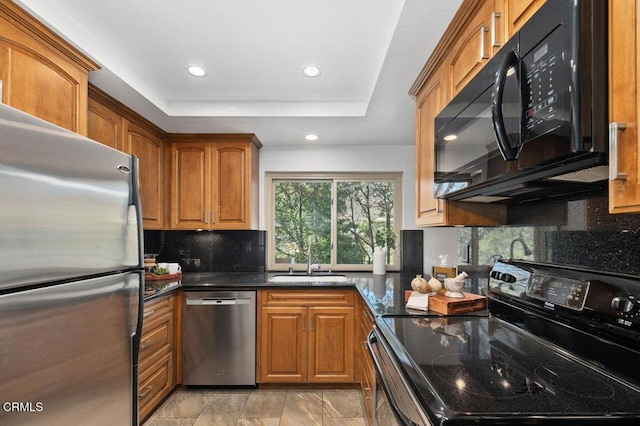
{"x":219,"y":338}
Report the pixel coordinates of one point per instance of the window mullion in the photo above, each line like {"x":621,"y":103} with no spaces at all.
{"x":334,"y":223}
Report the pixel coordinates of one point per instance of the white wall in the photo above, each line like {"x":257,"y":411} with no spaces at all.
{"x":344,"y":159}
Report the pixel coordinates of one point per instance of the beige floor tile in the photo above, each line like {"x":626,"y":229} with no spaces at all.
{"x":343,"y":421}
{"x":164,"y":421}
{"x":342,"y":403}
{"x":302,"y":408}
{"x":257,"y":421}
{"x":223,"y":409}
{"x":184,"y":404}
{"x":265,"y":404}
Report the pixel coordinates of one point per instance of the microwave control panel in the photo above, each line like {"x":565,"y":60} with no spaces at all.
{"x":544,"y":83}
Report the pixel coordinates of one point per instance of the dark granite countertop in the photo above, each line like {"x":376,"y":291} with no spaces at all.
{"x":159,"y":288}
{"x":384,"y":294}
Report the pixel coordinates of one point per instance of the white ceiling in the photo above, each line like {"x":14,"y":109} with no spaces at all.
{"x":254,"y":51}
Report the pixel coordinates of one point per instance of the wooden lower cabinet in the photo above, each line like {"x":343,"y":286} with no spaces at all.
{"x":303,"y":339}
{"x":367,"y":384}
{"x":154,"y":384}
{"x":157,"y":362}
{"x":366,"y":369}
{"x":283,"y":345}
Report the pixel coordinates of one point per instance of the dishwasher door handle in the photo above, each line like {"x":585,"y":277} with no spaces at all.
{"x":218,"y":302}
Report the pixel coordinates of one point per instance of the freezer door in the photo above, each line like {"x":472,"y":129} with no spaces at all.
{"x":67,"y":353}
{"x":69,"y":204}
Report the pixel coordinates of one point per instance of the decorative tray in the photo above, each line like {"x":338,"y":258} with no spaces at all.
{"x":148,"y":276}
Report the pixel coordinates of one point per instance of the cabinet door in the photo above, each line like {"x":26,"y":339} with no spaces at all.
{"x":624,"y":88}
{"x":472,"y":49}
{"x":231,"y":175}
{"x":104,"y":125}
{"x":148,"y":148}
{"x":190,"y":185}
{"x":331,"y":344}
{"x":155,"y":383}
{"x":33,"y":83}
{"x":368,"y":379}
{"x":283,"y":345}
{"x":40,"y":73}
{"x":430,"y":101}
{"x":519,"y":12}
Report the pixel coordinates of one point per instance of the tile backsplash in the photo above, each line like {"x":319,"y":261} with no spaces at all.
{"x":209,"y":251}
{"x":575,"y":233}
{"x":241,"y":251}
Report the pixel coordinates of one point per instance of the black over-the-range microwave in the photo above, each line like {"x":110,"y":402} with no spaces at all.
{"x":532,"y":124}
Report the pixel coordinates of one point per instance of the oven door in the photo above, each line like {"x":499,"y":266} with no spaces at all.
{"x":396,"y":403}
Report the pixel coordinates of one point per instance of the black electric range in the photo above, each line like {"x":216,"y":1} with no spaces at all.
{"x":560,"y":346}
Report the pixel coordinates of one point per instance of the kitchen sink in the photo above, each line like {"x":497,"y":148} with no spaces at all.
{"x":320,"y":278}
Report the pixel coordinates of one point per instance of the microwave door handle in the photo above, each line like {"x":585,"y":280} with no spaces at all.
{"x":508,"y":152}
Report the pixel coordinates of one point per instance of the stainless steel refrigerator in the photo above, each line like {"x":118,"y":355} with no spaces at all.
{"x":71,"y":278}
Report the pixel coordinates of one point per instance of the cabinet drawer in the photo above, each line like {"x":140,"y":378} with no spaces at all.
{"x":155,"y":383}
{"x":158,"y":339}
{"x":367,"y":384}
{"x":307,"y":297}
{"x":156,"y":309}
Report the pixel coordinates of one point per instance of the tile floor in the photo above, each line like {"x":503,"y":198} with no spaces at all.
{"x":296,"y":407}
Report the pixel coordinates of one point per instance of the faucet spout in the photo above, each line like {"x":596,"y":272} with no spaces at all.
{"x":527,"y":252}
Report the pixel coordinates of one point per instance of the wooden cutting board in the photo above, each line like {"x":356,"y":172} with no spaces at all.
{"x":451,"y":305}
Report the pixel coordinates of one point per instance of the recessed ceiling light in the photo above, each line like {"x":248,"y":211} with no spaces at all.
{"x":311,"y":137}
{"x":196,"y":71}
{"x":311,"y":71}
{"x":450,"y":138}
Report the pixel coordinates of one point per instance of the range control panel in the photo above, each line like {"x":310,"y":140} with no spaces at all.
{"x":562,"y":291}
{"x":593,"y":296}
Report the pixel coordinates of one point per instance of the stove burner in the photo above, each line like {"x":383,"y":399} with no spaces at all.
{"x":576,"y":383}
{"x":483,"y":377}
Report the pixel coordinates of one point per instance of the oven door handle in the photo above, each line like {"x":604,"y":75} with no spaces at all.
{"x":371,"y":340}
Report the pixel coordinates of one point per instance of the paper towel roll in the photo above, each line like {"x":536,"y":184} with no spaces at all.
{"x":379,"y":262}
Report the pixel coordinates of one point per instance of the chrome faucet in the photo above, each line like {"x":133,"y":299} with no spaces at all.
{"x":527,"y":252}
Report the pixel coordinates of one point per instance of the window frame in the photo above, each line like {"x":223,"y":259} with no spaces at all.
{"x":272,"y":177}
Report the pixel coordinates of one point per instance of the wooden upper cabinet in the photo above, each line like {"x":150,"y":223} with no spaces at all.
{"x":433,"y":211}
{"x":41,"y":73}
{"x":104,"y":125}
{"x":473,"y":46}
{"x":475,"y":34}
{"x":116,"y":126}
{"x":190,"y":185}
{"x":519,"y":11}
{"x":624,"y":91}
{"x":430,"y":102}
{"x":214,"y":181}
{"x":148,"y":148}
